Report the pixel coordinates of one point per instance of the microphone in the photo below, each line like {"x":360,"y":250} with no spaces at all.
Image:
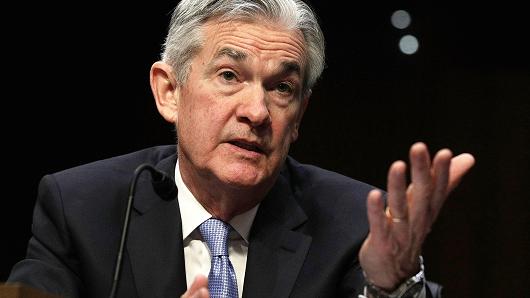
{"x":164,"y":186}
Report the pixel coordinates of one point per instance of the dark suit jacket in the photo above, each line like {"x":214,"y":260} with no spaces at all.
{"x":303,"y":243}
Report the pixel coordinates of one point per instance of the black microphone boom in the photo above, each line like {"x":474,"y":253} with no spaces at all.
{"x":164,"y":186}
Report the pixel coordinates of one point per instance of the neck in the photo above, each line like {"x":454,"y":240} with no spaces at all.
{"x":222,"y":200}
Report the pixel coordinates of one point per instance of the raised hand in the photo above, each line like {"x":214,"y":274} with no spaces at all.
{"x":390,"y":254}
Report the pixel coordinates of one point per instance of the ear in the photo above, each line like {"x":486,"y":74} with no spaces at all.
{"x":165,"y":90}
{"x":300,"y":115}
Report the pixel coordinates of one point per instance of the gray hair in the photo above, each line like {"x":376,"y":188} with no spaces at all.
{"x":185,"y":37}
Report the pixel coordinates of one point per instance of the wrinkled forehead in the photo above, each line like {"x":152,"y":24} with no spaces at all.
{"x":257,"y":36}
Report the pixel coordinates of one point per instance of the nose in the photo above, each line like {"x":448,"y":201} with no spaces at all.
{"x":253,"y":108}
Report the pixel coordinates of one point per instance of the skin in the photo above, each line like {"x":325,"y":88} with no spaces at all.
{"x":237,"y":113}
{"x":198,"y":289}
{"x":236,"y":116}
{"x":390,"y":253}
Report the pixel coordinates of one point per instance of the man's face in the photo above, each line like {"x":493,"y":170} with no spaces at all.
{"x":240,"y":108}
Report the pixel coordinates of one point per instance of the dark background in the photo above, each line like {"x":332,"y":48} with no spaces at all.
{"x":76,"y":89}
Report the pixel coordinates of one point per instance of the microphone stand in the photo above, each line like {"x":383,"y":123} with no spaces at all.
{"x":164,"y":186}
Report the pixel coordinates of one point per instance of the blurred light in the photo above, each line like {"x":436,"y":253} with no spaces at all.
{"x":400,"y":19}
{"x":408,"y":44}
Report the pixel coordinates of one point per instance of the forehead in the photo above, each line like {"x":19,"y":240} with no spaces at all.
{"x":260,"y":38}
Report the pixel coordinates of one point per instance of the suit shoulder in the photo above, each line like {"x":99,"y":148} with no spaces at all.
{"x":123,"y":163}
{"x":306,"y":176}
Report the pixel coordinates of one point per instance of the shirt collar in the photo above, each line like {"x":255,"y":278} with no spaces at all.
{"x":193,"y":214}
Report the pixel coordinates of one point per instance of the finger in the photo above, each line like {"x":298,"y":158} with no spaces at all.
{"x":397,"y":187}
{"x":198,"y":288}
{"x":397,"y":212}
{"x":376,"y":216}
{"x":421,"y":189}
{"x":441,"y":164}
{"x":460,"y":165}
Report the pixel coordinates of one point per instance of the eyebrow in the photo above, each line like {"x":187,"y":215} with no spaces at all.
{"x":290,"y":67}
{"x":231,"y":53}
{"x":286,"y":67}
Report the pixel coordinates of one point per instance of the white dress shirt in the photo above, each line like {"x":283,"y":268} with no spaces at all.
{"x":196,"y":254}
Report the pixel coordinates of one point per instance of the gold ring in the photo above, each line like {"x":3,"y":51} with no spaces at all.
{"x":394,"y":219}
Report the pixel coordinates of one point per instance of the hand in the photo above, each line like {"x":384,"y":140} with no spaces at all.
{"x":390,"y":253}
{"x":198,"y":289}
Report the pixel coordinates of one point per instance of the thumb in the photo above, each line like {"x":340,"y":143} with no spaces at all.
{"x":198,"y":289}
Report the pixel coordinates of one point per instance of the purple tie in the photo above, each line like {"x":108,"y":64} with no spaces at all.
{"x":222,"y":281}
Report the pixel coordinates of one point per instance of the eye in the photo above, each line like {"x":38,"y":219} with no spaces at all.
{"x":228,"y":75}
{"x":285,"y":88}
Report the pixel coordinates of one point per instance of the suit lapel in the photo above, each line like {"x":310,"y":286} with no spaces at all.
{"x":276,"y":251}
{"x":154,"y":242}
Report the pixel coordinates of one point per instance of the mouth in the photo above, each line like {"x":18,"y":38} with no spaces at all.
{"x":249,"y":146}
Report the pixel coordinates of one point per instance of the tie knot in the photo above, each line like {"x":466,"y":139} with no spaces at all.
{"x":215,"y":233}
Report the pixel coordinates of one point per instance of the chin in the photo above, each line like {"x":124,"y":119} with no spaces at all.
{"x":244,"y":176}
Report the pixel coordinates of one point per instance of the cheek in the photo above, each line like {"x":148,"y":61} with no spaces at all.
{"x":284,"y":130}
{"x":205,"y":117}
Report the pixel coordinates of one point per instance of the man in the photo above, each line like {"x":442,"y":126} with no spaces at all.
{"x":235,"y":79}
